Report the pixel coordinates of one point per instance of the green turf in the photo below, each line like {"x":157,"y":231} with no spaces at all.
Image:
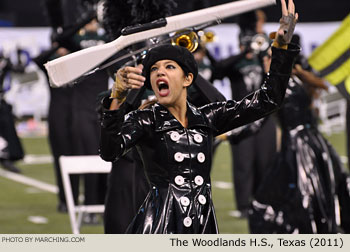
{"x":224,"y":198}
{"x":18,"y":201}
{"x":36,"y":145}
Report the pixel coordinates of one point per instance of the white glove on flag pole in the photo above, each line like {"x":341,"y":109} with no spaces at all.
{"x":70,"y":67}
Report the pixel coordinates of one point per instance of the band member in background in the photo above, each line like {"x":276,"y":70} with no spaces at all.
{"x":252,"y":156}
{"x":11,"y":149}
{"x":72,"y":119}
{"x":307,"y":189}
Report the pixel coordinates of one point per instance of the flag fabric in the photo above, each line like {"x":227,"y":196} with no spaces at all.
{"x":332,"y":58}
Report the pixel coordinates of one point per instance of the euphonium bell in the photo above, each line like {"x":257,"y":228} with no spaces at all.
{"x":188,"y":39}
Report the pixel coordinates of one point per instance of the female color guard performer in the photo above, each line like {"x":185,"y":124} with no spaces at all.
{"x":174,"y":138}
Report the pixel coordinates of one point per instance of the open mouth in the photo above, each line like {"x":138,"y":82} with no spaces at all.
{"x":163,"y":88}
{"x":162,"y":85}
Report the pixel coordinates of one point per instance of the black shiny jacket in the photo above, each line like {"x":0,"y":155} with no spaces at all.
{"x":177,"y":160}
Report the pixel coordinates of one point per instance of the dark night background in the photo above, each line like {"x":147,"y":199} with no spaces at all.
{"x":30,"y":13}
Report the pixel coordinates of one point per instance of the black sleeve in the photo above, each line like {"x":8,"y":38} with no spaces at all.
{"x":228,"y":115}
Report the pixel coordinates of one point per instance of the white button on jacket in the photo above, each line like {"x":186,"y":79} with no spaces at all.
{"x":202,"y":199}
{"x":198,"y":180}
{"x":175,"y":136}
{"x":179,"y":157}
{"x":201,"y":157}
{"x":198,"y":138}
{"x":179,"y":180}
{"x":185,"y":201}
{"x":187,"y":222}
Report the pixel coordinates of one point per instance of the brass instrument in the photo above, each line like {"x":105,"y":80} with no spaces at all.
{"x":206,"y":37}
{"x":259,"y":43}
{"x":191,"y":39}
{"x":186,"y":38}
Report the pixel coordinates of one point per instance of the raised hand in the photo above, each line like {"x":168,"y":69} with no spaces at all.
{"x":287,"y":24}
{"x":127,"y":78}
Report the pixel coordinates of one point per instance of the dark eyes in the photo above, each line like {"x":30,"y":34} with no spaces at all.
{"x":168,"y":66}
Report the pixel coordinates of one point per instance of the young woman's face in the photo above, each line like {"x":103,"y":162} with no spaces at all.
{"x":169,"y":82}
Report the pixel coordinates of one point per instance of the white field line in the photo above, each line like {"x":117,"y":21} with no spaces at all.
{"x":37,"y":159}
{"x":28,"y":181}
{"x":344,"y":159}
{"x":222,"y":184}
